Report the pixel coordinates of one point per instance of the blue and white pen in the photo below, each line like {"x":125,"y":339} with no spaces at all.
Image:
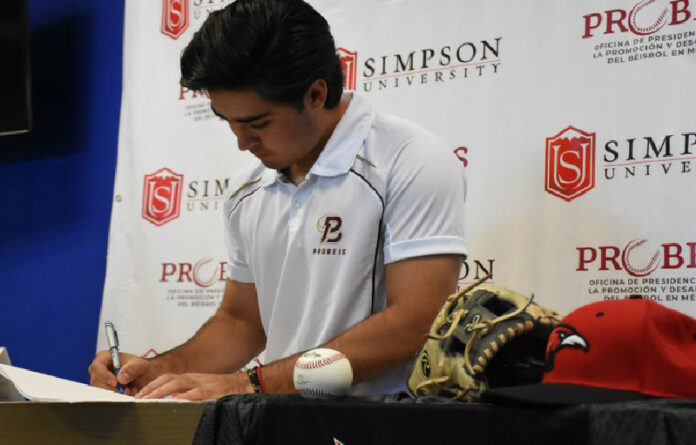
{"x":112,"y":341}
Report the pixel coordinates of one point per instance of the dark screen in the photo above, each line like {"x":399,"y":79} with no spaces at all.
{"x":15,"y":110}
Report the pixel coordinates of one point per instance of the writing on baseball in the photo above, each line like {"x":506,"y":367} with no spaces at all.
{"x":323,"y":372}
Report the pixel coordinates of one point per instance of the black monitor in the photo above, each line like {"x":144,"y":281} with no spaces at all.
{"x":15,"y":99}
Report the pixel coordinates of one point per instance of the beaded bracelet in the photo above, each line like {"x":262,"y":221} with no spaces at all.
{"x":254,"y":375}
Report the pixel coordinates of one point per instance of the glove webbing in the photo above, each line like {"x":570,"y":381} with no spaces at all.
{"x":454,"y":320}
{"x":480,"y":328}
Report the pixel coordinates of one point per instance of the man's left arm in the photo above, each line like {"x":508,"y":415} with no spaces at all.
{"x":416,"y":289}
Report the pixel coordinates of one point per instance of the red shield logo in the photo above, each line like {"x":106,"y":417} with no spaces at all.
{"x":175,"y":17}
{"x":349,"y":62}
{"x":570,"y":163}
{"x":162,"y":196}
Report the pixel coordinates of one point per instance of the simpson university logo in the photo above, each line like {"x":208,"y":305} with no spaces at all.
{"x":649,"y":156}
{"x":643,"y":31}
{"x":162,"y":196}
{"x":570,"y":163}
{"x":175,"y":18}
{"x":206,"y":194}
{"x":329,"y":226}
{"x":349,"y":64}
{"x":432,"y":65}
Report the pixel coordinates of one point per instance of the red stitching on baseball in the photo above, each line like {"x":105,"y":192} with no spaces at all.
{"x":650,"y":29}
{"x":652,"y":265}
{"x":315,"y":392}
{"x":318,"y":363}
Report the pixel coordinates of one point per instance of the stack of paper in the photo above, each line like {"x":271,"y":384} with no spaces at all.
{"x":17,"y":384}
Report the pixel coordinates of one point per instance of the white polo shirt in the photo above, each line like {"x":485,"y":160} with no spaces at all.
{"x":382,"y":190}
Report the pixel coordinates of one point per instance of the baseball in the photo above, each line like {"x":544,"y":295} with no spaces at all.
{"x":323,"y":372}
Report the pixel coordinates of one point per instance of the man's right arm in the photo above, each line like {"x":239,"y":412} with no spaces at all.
{"x":226,"y":342}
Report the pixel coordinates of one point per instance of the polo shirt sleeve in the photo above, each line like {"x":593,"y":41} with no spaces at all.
{"x":237,"y":263}
{"x":424,"y":209}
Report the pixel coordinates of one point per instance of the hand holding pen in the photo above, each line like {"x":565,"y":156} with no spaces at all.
{"x":112,"y":341}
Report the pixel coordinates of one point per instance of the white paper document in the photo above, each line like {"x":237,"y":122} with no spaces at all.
{"x":17,"y":384}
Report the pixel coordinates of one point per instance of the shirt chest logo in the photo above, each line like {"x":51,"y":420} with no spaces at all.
{"x":329,"y":228}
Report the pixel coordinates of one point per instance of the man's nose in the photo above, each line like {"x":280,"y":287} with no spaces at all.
{"x":245,"y":140}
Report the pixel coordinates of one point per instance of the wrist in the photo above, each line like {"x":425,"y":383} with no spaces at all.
{"x":164,"y":364}
{"x":255,"y":380}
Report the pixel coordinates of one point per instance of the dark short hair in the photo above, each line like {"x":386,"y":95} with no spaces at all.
{"x":278,"y":48}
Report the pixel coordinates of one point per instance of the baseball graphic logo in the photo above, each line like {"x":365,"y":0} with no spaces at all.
{"x":201,"y":281}
{"x":631,"y":268}
{"x":657,"y":23}
{"x":323,"y":372}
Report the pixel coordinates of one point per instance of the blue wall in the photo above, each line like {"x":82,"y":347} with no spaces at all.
{"x":56,"y":187}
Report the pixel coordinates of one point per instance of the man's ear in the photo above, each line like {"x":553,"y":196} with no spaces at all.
{"x":316,"y":94}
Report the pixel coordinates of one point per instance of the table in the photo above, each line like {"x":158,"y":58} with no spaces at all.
{"x":267,"y":419}
{"x":98,"y":423}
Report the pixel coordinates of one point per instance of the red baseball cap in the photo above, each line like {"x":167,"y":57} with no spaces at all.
{"x":614,"y":351}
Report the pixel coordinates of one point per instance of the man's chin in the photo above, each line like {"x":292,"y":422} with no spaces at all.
{"x":271,"y":164}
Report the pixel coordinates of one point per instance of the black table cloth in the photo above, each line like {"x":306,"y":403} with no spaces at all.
{"x":293,"y":419}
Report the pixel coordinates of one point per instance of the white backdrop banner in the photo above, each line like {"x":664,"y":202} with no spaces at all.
{"x":575,"y":121}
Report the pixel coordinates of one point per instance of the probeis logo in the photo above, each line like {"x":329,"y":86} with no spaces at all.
{"x":330,"y":228}
{"x":646,"y":17}
{"x":635,"y":262}
{"x":175,"y":17}
{"x":204,"y":273}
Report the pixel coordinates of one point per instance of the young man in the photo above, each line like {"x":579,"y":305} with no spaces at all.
{"x":346,"y":233}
